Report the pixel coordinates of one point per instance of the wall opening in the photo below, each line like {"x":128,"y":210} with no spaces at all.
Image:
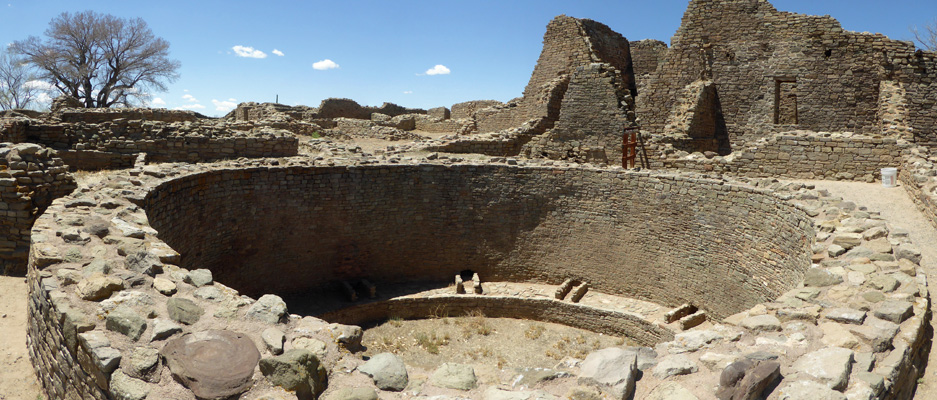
{"x":785,"y":101}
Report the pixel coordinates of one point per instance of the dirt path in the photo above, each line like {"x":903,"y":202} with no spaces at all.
{"x":17,"y":379}
{"x":900,"y":211}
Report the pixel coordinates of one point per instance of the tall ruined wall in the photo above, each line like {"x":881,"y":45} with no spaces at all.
{"x":31,"y":177}
{"x":568,"y":43}
{"x":594,"y":90}
{"x":777,"y":71}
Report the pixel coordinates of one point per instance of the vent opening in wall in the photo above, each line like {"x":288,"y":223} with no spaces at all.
{"x":785,"y":101}
{"x":828,"y":53}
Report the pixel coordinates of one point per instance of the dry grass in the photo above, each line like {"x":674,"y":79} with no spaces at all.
{"x":474,"y":338}
{"x":88,"y":178}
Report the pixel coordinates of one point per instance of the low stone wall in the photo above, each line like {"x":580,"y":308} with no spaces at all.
{"x":31,"y":177}
{"x":467,"y":109}
{"x":609,"y":322}
{"x":114,"y":144}
{"x":99,"y":115}
{"x":798,"y":155}
{"x":436,"y":124}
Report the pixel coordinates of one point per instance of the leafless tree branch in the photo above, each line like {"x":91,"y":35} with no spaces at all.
{"x":926,"y":36}
{"x":100,"y":59}
{"x":15,"y":92}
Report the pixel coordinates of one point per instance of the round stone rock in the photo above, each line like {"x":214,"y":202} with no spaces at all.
{"x":213,"y":364}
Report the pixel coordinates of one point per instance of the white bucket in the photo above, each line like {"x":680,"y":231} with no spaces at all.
{"x":889,"y":177}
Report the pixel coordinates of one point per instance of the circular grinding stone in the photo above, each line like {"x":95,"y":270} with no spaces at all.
{"x":213,"y":364}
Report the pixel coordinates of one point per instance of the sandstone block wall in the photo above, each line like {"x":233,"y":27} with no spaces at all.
{"x":777,"y":71}
{"x":115,"y":144}
{"x":620,"y":231}
{"x":467,"y":109}
{"x":31,"y":177}
{"x":595,"y":110}
{"x":622,"y":324}
{"x":568,"y":43}
{"x":435,"y":124}
{"x":798,"y":155}
{"x":99,"y":115}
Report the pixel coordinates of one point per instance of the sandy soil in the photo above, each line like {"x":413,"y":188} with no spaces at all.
{"x":17,"y":378}
{"x":900,"y":211}
{"x":486,"y":342}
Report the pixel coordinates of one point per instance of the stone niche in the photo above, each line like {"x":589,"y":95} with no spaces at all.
{"x":663,"y":239}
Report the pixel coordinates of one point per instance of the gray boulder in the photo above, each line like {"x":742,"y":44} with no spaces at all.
{"x":830,"y":366}
{"x":125,"y":320}
{"x":454,"y":376}
{"x":268,"y":308}
{"x":613,"y":370}
{"x":388,"y":372}
{"x":184,"y":310}
{"x":297,"y":370}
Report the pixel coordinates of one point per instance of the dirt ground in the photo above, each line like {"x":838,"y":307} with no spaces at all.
{"x":17,"y":378}
{"x":481,"y":341}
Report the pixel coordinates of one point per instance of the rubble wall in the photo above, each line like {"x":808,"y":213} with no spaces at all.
{"x":506,"y":223}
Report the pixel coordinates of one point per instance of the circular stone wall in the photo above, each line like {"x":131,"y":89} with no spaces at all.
{"x":665,"y":239}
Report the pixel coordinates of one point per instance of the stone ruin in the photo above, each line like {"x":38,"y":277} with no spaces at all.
{"x":734,"y":284}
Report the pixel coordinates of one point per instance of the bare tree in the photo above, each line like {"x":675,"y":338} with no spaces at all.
{"x":15,"y":90}
{"x":926,"y":36}
{"x":100,"y":59}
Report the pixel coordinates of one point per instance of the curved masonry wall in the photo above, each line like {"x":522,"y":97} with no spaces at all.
{"x":609,"y":322}
{"x":665,"y":239}
{"x":100,"y":234}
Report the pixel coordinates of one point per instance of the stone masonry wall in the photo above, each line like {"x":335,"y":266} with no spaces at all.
{"x":115,"y":144}
{"x":467,"y":109}
{"x":777,"y":71}
{"x":798,"y":155}
{"x":31,"y":177}
{"x":568,"y":43}
{"x":595,"y":110}
{"x":622,"y":324}
{"x":98,"y":115}
{"x":506,"y":223}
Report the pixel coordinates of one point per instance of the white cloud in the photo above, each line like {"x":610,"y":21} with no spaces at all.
{"x":190,"y":107}
{"x":324,"y":65}
{"x":158,"y":101}
{"x":407,"y":92}
{"x":226,"y":105}
{"x":40,"y":85}
{"x":190,"y":98}
{"x":249,"y":52}
{"x":278,"y":52}
{"x":439,"y":69}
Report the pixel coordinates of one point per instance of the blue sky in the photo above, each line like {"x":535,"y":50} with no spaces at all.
{"x":382,"y":50}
